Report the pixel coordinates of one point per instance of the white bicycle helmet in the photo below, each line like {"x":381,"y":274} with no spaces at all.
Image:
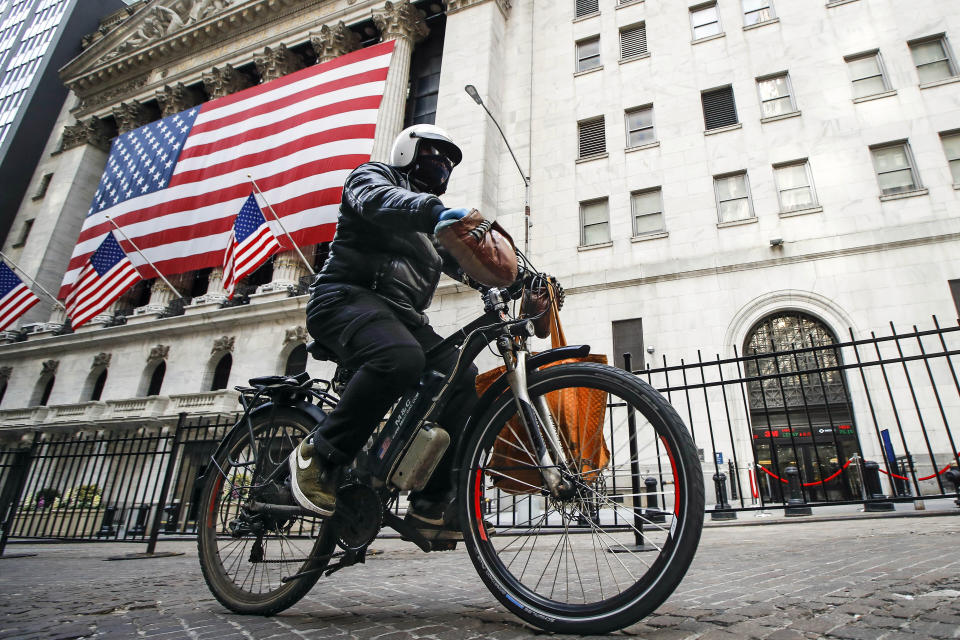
{"x":407,"y":145}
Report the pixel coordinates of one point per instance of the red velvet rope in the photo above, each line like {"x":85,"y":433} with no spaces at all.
{"x":809,"y":484}
{"x":929,"y":477}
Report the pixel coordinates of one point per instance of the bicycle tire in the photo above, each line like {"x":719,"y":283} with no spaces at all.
{"x":660,"y":430}
{"x":222,"y":556}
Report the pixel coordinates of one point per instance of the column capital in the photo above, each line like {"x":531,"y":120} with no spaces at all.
{"x":335,"y":41}
{"x":222,"y":81}
{"x":401,"y":20}
{"x":92,"y":131}
{"x":175,"y":98}
{"x":453,"y":6}
{"x":130,"y":115}
{"x":276,"y":62}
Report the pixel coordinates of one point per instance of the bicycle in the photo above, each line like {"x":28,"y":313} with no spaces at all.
{"x":555,"y":548}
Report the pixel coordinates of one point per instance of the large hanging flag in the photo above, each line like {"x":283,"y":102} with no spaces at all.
{"x":107,"y":274}
{"x":251,"y":243}
{"x":175,"y":185}
{"x":15,"y":297}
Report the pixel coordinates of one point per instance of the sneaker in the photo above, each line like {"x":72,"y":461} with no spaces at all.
{"x":428,"y":517}
{"x":312,"y":481}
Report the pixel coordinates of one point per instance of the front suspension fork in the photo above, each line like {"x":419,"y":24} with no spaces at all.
{"x":545,"y":453}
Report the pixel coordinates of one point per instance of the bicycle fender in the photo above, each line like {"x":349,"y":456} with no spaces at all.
{"x":315,"y":413}
{"x":499,"y":385}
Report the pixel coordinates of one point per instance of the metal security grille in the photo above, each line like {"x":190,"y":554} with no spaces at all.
{"x":586,"y":7}
{"x":719,"y":109}
{"x":633,"y":41}
{"x":592,"y":140}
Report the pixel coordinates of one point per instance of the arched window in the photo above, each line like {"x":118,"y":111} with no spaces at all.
{"x":222,"y":373}
{"x":296,"y":361}
{"x":156,"y":379}
{"x":800,"y":411}
{"x":97,"y":390}
{"x":3,"y":389}
{"x":47,"y":388}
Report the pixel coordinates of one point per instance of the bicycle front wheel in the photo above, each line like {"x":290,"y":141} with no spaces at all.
{"x":572,"y":564}
{"x":245,"y":556}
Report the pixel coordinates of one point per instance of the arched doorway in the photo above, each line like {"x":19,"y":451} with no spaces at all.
{"x":221,"y":374}
{"x":156,"y":379}
{"x":800,"y":413}
{"x":296,"y":361}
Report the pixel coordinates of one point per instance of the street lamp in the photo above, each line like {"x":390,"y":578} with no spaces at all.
{"x":472,"y":92}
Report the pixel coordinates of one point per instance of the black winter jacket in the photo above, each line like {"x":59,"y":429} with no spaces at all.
{"x":384,"y":241}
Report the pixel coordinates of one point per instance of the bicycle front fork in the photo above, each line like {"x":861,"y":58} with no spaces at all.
{"x":535,"y":416}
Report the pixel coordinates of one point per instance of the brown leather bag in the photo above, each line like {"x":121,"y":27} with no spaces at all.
{"x":578,"y":414}
{"x":482,"y":248}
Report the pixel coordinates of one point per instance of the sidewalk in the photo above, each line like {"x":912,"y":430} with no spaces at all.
{"x":887,"y":578}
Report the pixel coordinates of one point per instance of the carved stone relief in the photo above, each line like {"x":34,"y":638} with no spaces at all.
{"x":176,"y":98}
{"x":91,"y":131}
{"x":101,"y":360}
{"x":159,"y":352}
{"x":224,"y":343}
{"x":332,"y":42}
{"x":296,"y":334}
{"x":453,"y":6}
{"x":49,"y":367}
{"x":222,"y":81}
{"x":401,"y":20}
{"x":276,"y":62}
{"x":109,"y":95}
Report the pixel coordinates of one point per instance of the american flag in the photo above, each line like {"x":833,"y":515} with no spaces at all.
{"x":175,"y":185}
{"x":106,"y":276}
{"x":251,"y":242}
{"x":15,"y":297}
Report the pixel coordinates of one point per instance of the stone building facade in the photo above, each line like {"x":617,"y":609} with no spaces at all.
{"x":695,"y":171}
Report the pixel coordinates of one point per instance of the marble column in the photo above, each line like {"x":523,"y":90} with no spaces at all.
{"x":404,"y":24}
{"x":288,"y":268}
{"x":276,"y":62}
{"x":175,"y":98}
{"x":333,"y":42}
{"x":161,"y":295}
{"x":222,"y":81}
{"x":130,"y":115}
{"x":92,"y":131}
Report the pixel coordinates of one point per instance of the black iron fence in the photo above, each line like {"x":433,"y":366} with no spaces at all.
{"x":870,"y":420}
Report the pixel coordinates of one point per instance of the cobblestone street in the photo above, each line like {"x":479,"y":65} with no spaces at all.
{"x":883,"y":579}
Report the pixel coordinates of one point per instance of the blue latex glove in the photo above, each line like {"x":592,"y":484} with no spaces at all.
{"x":448,"y":217}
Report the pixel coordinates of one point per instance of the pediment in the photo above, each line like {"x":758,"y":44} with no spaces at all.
{"x":161,"y":31}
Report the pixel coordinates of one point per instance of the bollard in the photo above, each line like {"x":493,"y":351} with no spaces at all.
{"x":796,"y":505}
{"x":722,"y":510}
{"x":108,"y":528}
{"x":876,"y":501}
{"x":172,"y":512}
{"x":952,"y":475}
{"x":653,"y":512}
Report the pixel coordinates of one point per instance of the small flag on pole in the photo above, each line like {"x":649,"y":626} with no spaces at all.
{"x":107,"y":275}
{"x":251,"y":242}
{"x":15,"y":297}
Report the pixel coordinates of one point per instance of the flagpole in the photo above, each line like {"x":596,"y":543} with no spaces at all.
{"x":277,"y":218}
{"x":37,"y":284}
{"x":162,"y":277}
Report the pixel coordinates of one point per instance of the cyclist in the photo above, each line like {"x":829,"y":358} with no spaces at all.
{"x":367,"y":307}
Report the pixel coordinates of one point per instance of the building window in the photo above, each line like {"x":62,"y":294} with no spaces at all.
{"x":896,"y":171}
{"x":776,"y":97}
{"x":592,"y":138}
{"x":757,"y":11}
{"x":588,"y":54}
{"x":647,"y":209}
{"x":951,"y":147}
{"x":633,"y":41}
{"x":296,"y":361}
{"x":639,"y":124}
{"x":795,"y":186}
{"x":933,"y":59}
{"x":425,"y":65}
{"x":587,"y":7}
{"x":42,"y":187}
{"x":98,"y":385}
{"x":719,"y":108}
{"x":705,"y":21}
{"x":24,"y":234}
{"x":867,"y":74}
{"x":41,"y":393}
{"x":954,"y":293}
{"x":733,"y":197}
{"x":628,"y":338}
{"x":594,"y":222}
{"x":221,"y":375}
{"x":156,"y":379}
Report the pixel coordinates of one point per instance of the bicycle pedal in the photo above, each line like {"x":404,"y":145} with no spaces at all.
{"x":443,"y":545}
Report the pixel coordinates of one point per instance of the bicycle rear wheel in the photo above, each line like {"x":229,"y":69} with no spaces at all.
{"x":571,"y":564}
{"x":245,"y":556}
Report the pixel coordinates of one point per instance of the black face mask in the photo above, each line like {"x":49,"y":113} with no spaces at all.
{"x":430,"y":174}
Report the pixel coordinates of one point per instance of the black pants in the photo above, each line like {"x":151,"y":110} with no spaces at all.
{"x":388,"y":356}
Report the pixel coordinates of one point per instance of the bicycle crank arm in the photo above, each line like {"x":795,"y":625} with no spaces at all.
{"x":280,"y":510}
{"x":406,"y":530}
